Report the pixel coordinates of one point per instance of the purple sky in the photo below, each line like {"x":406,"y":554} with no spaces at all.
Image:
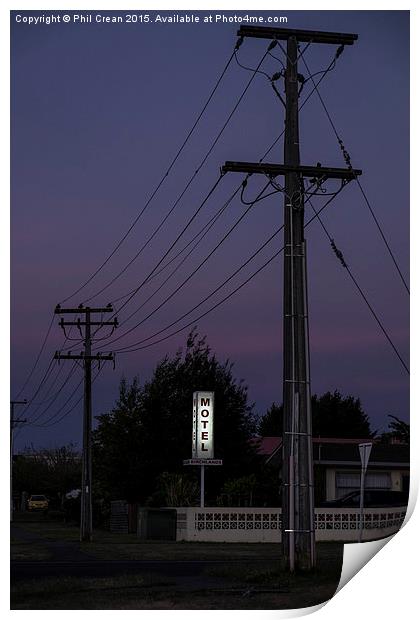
{"x":98,"y":111}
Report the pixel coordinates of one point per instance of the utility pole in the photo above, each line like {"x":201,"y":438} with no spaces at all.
{"x":86,"y":357}
{"x":13,"y":424}
{"x":298,"y":530}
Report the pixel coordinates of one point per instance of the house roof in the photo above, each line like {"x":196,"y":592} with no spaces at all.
{"x":391,"y":454}
{"x":266,"y":445}
{"x":339,"y":450}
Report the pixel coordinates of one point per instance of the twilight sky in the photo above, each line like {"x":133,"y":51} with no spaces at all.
{"x":99,"y":111}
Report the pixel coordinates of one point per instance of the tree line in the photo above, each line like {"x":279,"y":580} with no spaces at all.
{"x":139,"y":446}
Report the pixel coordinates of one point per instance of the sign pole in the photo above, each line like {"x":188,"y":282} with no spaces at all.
{"x":364,"y":451}
{"x":362,"y":502}
{"x":202,"y":487}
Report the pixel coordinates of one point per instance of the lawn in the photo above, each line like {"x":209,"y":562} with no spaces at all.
{"x":109,"y":546}
{"x":55,"y":530}
{"x":28,"y":551}
{"x":146,"y":592}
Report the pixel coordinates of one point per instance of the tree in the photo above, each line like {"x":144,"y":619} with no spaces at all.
{"x":178,"y":489}
{"x":271,"y":423}
{"x":238,"y":492}
{"x":398,"y":430}
{"x":333,"y":415}
{"x":118,"y":446}
{"x":149,"y":430}
{"x":53,"y":471}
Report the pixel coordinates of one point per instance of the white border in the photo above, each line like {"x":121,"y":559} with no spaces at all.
{"x":386,"y":587}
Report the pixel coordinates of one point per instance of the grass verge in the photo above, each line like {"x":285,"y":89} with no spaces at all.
{"x":28,"y":551}
{"x":147,"y":592}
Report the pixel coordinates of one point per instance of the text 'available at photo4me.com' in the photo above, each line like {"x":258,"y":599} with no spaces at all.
{"x":149,"y":18}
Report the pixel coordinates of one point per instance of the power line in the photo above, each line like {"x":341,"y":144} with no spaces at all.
{"x":269,"y":149}
{"x":158,"y":185}
{"x":261,"y":197}
{"x":324,"y":73}
{"x":276,"y":76}
{"x":332,"y":65}
{"x":127,"y":350}
{"x":46,"y":397}
{"x":394,"y":260}
{"x":179,"y":287}
{"x":249,"y":68}
{"x":199,"y":235}
{"x":148,"y":202}
{"x":46,"y":375}
{"x":48,"y":422}
{"x":278,"y":59}
{"x":194,"y":175}
{"x":44,"y":378}
{"x":340,"y":257}
{"x":214,"y":291}
{"x":66,"y":380}
{"x":182,"y":261}
{"x":348,"y":162}
{"x":191,"y":219}
{"x":37,"y":358}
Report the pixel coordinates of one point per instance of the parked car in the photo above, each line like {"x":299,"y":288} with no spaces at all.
{"x":374,"y":498}
{"x":38,"y":502}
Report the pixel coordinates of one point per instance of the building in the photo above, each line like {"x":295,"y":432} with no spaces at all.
{"x":337,"y":465}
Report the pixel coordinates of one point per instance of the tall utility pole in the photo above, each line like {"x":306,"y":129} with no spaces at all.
{"x":13,"y":424}
{"x":86,"y":357}
{"x":298,"y":532}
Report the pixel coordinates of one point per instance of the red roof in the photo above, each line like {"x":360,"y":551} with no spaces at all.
{"x":266,"y":445}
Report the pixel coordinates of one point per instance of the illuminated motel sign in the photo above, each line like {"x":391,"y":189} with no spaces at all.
{"x":203,"y":425}
{"x":203,"y":436}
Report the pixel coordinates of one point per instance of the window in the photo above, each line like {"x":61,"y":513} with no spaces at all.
{"x":345,"y":482}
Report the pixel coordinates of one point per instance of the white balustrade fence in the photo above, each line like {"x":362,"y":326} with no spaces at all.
{"x":264,"y":524}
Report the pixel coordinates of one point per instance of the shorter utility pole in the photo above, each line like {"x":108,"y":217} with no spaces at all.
{"x":86,"y":357}
{"x":13,"y":424}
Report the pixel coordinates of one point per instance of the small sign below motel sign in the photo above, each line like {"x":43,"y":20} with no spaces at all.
{"x":203,"y":462}
{"x":203,"y":428}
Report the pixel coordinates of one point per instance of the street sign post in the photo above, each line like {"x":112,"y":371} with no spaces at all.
{"x":364,"y":451}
